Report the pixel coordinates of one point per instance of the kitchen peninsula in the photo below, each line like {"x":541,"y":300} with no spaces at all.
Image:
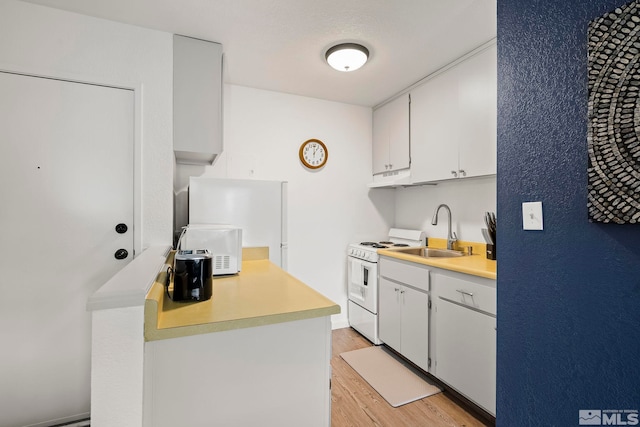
{"x":257,"y":353}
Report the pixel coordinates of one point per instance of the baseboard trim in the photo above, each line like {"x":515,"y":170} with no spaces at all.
{"x":339,"y":323}
{"x":72,"y":421}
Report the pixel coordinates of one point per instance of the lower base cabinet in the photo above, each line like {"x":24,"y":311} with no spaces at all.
{"x":404,"y":321}
{"x":465,"y":337}
{"x":403,"y":314}
{"x":454,"y":338}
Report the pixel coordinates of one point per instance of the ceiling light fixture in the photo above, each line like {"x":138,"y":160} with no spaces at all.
{"x":347,"y":56}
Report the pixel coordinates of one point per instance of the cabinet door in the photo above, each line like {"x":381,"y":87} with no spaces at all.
{"x":197,"y":100}
{"x":389,"y":313}
{"x":477,"y":101}
{"x":466,"y":352}
{"x":381,"y":135}
{"x":453,"y":121}
{"x":391,"y":136}
{"x":434,"y":129}
{"x":399,"y":141}
{"x":414,"y":337}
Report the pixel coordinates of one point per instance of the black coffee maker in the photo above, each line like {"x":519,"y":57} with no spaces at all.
{"x":192,"y":271}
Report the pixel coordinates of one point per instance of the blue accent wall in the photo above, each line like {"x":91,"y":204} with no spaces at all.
{"x":568,"y":296}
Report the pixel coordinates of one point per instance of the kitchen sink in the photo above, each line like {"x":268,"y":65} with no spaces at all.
{"x":431,"y":252}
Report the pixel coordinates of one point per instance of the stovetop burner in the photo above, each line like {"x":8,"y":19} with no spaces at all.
{"x":385,"y":244}
{"x":373,"y":245}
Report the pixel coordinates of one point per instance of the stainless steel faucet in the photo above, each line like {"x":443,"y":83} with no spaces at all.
{"x":451,"y":237}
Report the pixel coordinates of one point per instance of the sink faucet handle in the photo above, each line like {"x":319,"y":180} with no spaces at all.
{"x":451,"y":240}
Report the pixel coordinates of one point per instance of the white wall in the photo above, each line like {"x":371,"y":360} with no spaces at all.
{"x":467,"y":198}
{"x":328,"y":208}
{"x":48,"y":42}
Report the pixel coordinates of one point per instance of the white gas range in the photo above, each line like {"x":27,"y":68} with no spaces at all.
{"x":363,"y":278}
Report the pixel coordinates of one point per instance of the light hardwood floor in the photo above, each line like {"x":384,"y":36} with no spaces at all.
{"x":354,"y":403}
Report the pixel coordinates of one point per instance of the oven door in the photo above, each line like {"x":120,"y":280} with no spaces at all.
{"x":363,"y":283}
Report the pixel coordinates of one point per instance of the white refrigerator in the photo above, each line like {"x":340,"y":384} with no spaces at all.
{"x":258,"y":207}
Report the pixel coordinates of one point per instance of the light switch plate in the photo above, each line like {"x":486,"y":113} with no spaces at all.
{"x":532,"y":216}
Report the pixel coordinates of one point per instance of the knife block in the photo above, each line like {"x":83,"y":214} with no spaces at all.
{"x":491,"y":251}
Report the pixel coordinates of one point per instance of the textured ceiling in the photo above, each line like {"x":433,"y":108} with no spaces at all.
{"x":279,"y":44}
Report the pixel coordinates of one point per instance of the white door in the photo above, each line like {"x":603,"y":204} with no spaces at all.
{"x":66,"y":181}
{"x":381,"y":136}
{"x":477,"y":100}
{"x":389,"y":314}
{"x":399,"y":134}
{"x":363,"y":277}
{"x":466,"y":352}
{"x":414,"y":334}
{"x":435,"y":127}
{"x":391,"y":136}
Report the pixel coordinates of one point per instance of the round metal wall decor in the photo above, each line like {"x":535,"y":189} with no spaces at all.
{"x":613,"y":135}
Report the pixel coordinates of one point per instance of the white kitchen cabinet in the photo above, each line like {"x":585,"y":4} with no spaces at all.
{"x":389,"y":313}
{"x":403,"y":313}
{"x":453,"y":121}
{"x":391,"y":136}
{"x":464,"y":316}
{"x":477,"y":109}
{"x":197,"y":100}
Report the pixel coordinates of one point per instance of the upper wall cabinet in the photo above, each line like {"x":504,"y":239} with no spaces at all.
{"x":197,"y":100}
{"x":453,"y":121}
{"x":391,"y":136}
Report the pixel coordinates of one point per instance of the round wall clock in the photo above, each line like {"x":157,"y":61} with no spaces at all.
{"x":313,"y":154}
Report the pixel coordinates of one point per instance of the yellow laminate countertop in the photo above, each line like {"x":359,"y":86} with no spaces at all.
{"x":476,"y":264}
{"x":261,"y":294}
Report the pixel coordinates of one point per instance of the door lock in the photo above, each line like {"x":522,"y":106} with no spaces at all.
{"x":121,"y":254}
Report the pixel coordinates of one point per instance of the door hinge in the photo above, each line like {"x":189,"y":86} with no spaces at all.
{"x":429,"y":304}
{"x":429,"y":363}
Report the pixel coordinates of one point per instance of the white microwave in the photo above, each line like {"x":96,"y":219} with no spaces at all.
{"x":223,"y":241}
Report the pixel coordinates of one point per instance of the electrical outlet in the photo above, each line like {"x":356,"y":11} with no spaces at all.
{"x":532,"y":216}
